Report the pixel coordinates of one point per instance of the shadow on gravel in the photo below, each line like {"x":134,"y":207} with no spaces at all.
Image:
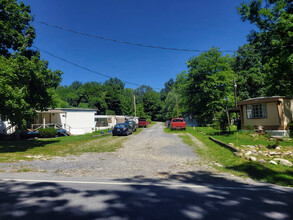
{"x":216,"y":198}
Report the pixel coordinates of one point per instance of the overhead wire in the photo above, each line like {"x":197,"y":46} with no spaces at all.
{"x":151,"y":46}
{"x":85,"y":68}
{"x":141,"y":44}
{"x":128,"y":43}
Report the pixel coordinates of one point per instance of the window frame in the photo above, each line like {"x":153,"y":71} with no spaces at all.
{"x":263,"y":109}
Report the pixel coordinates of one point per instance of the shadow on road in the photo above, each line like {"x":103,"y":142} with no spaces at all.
{"x":216,"y":198}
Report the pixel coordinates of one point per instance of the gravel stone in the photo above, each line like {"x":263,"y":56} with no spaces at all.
{"x":149,"y":154}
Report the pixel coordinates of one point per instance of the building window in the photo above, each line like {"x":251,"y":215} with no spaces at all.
{"x":256,"y":111}
{"x":101,"y":122}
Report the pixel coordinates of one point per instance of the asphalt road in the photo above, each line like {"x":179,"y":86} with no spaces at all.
{"x":201,"y":196}
{"x":186,"y":194}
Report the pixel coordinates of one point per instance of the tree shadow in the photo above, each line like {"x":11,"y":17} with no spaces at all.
{"x":23,"y":145}
{"x":209,"y":197}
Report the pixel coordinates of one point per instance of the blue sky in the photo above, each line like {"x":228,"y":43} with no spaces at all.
{"x":191,"y":24}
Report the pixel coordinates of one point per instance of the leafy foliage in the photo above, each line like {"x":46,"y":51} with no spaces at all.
{"x":26,"y":83}
{"x":210,"y":79}
{"x":47,"y":132}
{"x":274,"y":20}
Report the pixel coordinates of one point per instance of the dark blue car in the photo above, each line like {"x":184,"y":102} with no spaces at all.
{"x":122,"y":129}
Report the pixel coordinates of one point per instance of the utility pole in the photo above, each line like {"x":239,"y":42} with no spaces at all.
{"x":235,"y":95}
{"x":177,"y":107}
{"x":134,"y":105}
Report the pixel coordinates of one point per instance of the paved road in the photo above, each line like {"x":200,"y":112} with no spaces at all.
{"x":141,"y":193}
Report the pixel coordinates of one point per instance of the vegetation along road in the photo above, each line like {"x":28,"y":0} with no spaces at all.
{"x":155,"y":175}
{"x":152,"y":153}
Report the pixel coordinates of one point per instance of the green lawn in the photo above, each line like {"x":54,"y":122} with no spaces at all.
{"x":13,"y":151}
{"x":243,"y":138}
{"x":238,"y":166}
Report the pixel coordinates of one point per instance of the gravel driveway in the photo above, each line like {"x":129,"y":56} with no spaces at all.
{"x":151,"y":153}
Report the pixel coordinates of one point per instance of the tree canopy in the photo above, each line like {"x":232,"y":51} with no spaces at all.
{"x":26,"y":82}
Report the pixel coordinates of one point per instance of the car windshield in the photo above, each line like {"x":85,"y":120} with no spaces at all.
{"x":142,"y":119}
{"x":120,"y":126}
{"x":177,"y":120}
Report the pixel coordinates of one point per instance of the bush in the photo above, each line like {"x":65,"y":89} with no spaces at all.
{"x":220,"y":121}
{"x":47,"y":132}
{"x":149,"y":120}
{"x":291,"y":128}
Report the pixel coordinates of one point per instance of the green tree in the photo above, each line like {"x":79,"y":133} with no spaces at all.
{"x":168,"y":87}
{"x":15,"y":29}
{"x":169,"y":110}
{"x":127,"y":102}
{"x":69,"y":95}
{"x":250,"y":77}
{"x":114,"y":88}
{"x":210,"y":79}
{"x":151,"y":102}
{"x":26,"y":83}
{"x":274,"y":38}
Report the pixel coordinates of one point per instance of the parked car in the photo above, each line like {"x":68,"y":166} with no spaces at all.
{"x":122,"y":129}
{"x":178,"y":124}
{"x":168,"y":122}
{"x":142,"y":123}
{"x":132,"y":124}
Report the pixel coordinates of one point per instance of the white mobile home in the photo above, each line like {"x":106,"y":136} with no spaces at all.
{"x":104,"y":122}
{"x":6,"y":127}
{"x":74,"y":121}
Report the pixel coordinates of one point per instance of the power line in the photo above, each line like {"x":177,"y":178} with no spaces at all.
{"x":152,"y":46}
{"x":126,"y":42}
{"x":145,"y":45}
{"x":85,"y":68}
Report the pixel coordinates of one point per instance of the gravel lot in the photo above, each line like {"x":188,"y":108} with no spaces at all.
{"x":149,"y":154}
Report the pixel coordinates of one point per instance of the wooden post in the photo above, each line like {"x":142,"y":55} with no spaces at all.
{"x":235,"y":95}
{"x":228,"y":118}
{"x":134,"y":105}
{"x":177,"y":107}
{"x":44,"y":121}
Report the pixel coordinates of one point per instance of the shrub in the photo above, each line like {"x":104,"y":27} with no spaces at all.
{"x":47,"y":132}
{"x":291,"y":128}
{"x":149,"y":120}
{"x":220,"y":121}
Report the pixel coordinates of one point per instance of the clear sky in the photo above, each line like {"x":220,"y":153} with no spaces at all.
{"x":191,"y":24}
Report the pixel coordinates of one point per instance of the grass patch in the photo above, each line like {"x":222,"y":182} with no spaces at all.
{"x":23,"y":170}
{"x":138,"y":130}
{"x":13,"y":151}
{"x":243,"y":138}
{"x":214,"y":153}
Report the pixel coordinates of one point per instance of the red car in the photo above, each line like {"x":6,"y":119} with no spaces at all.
{"x":142,"y":123}
{"x":178,"y":124}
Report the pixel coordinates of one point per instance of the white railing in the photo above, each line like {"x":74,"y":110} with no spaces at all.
{"x":35,"y":127}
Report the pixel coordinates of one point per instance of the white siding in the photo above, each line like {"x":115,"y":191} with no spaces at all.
{"x":4,"y":125}
{"x":79,"y":121}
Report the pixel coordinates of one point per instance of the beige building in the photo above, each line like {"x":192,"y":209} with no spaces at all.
{"x":272,"y":113}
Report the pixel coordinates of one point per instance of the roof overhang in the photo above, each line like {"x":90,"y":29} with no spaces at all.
{"x":51,"y":111}
{"x":261,"y":100}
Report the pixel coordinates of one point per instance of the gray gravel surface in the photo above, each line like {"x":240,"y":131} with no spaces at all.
{"x":149,"y":154}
